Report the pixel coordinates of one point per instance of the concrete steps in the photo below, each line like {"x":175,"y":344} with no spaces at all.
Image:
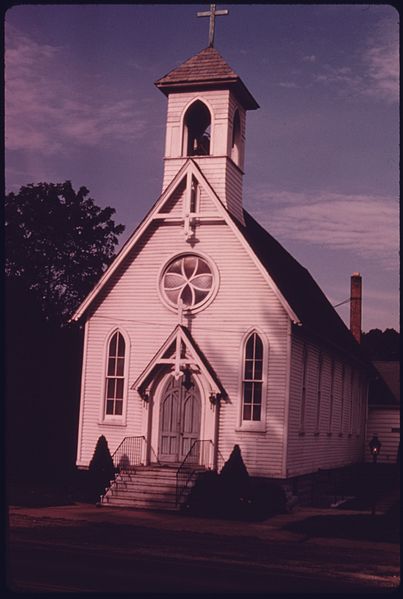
{"x":147,"y":487}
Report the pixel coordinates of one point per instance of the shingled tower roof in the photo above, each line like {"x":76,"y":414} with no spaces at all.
{"x":207,"y":70}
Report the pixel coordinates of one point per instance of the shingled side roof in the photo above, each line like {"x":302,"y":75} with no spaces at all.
{"x":207,"y":68}
{"x":299,"y":289}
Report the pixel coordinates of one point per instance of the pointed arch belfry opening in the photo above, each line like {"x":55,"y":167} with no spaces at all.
{"x":236,"y":138}
{"x":197,"y":130}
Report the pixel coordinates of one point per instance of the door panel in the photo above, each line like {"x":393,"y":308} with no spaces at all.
{"x":190,"y":430}
{"x":179,"y":422}
{"x":169,"y":423}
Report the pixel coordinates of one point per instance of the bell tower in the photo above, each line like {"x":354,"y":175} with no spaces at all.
{"x":207,"y":104}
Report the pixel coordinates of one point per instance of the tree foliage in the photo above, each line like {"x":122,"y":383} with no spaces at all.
{"x":58,"y":243}
{"x":382,"y":345}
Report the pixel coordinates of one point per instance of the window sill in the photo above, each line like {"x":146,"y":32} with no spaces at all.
{"x":258,"y":427}
{"x":112,"y":422}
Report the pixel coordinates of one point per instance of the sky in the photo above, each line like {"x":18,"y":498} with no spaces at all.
{"x":322,"y":155}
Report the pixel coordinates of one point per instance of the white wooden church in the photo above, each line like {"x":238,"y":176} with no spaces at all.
{"x":205,"y":332}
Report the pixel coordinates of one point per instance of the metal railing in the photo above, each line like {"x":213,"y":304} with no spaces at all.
{"x":200,"y":453}
{"x":129,"y":453}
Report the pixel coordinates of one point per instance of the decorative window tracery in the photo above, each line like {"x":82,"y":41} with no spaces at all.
{"x":115,"y":379}
{"x":252,"y":385}
{"x":188,"y":278}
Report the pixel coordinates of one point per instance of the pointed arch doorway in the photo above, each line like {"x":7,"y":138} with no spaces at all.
{"x":180,"y":421}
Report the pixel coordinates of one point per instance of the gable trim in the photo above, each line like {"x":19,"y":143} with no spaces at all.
{"x":178,"y":336}
{"x":188,"y":168}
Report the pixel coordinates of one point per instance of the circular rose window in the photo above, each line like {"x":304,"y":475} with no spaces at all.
{"x":188,"y":278}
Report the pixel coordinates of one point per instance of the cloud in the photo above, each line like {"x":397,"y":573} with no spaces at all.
{"x":382,"y":60}
{"x":364,"y":224}
{"x":373,"y":70}
{"x":309,"y":58}
{"x":288,"y":84}
{"x":45,"y":113}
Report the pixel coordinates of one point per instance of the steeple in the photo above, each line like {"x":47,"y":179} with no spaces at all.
{"x":207,"y":104}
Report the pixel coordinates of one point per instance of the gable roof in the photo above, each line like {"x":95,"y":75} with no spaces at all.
{"x":300,"y":290}
{"x":301,"y":297}
{"x":161,"y":361}
{"x":207,"y":69}
{"x":190,"y":166}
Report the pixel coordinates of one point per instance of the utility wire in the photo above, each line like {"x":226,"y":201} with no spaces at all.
{"x":341,"y":303}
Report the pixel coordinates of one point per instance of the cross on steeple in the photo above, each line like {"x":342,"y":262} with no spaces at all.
{"x":213,"y":13}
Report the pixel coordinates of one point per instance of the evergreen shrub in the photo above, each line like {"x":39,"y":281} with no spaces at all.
{"x":234,"y":495}
{"x":101,"y":470}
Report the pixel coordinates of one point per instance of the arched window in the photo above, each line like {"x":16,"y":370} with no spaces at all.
{"x":252,"y":382}
{"x":115,"y":369}
{"x":236,"y":138}
{"x":196,"y":131}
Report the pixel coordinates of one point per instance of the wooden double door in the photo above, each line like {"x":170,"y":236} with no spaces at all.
{"x":180,"y":418}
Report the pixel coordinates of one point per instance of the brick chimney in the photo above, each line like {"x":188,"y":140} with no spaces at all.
{"x":355,"y":305}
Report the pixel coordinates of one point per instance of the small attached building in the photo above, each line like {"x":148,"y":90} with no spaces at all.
{"x":205,"y":332}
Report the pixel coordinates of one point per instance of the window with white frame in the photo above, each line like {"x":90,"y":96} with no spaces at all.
{"x":343,"y":393}
{"x":189,"y":278}
{"x":352,"y":397}
{"x":252,"y":382}
{"x":115,"y":379}
{"x":319,"y":391}
{"x":360,"y":391}
{"x":303,"y":387}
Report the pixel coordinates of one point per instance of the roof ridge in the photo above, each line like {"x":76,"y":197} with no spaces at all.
{"x":199,"y":67}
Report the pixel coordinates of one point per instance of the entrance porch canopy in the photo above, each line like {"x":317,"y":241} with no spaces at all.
{"x":179,"y":353}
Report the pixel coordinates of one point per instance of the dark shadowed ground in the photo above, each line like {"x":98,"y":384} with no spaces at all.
{"x":84,"y":548}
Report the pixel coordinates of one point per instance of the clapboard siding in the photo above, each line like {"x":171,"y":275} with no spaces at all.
{"x":132,"y":302}
{"x":330,"y":441}
{"x":175,"y":204}
{"x":221,"y":172}
{"x":385,"y":423}
{"x":206,"y":204}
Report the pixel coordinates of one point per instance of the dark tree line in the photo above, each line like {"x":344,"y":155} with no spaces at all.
{"x":58,"y":243}
{"x":382,"y":345}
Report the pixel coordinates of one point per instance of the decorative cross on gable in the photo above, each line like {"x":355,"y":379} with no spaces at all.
{"x":212,"y":13}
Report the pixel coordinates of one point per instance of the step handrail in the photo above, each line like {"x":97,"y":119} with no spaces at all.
{"x":130,"y":452}
{"x":184,"y":476}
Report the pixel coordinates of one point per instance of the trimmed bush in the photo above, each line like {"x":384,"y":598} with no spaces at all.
{"x":205,"y":497}
{"x":233,"y":495}
{"x":101,"y":470}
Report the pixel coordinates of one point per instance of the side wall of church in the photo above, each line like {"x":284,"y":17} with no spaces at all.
{"x":244,"y":301}
{"x":326,"y":426}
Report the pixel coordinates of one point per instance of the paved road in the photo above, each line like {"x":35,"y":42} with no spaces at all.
{"x":129,"y":556}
